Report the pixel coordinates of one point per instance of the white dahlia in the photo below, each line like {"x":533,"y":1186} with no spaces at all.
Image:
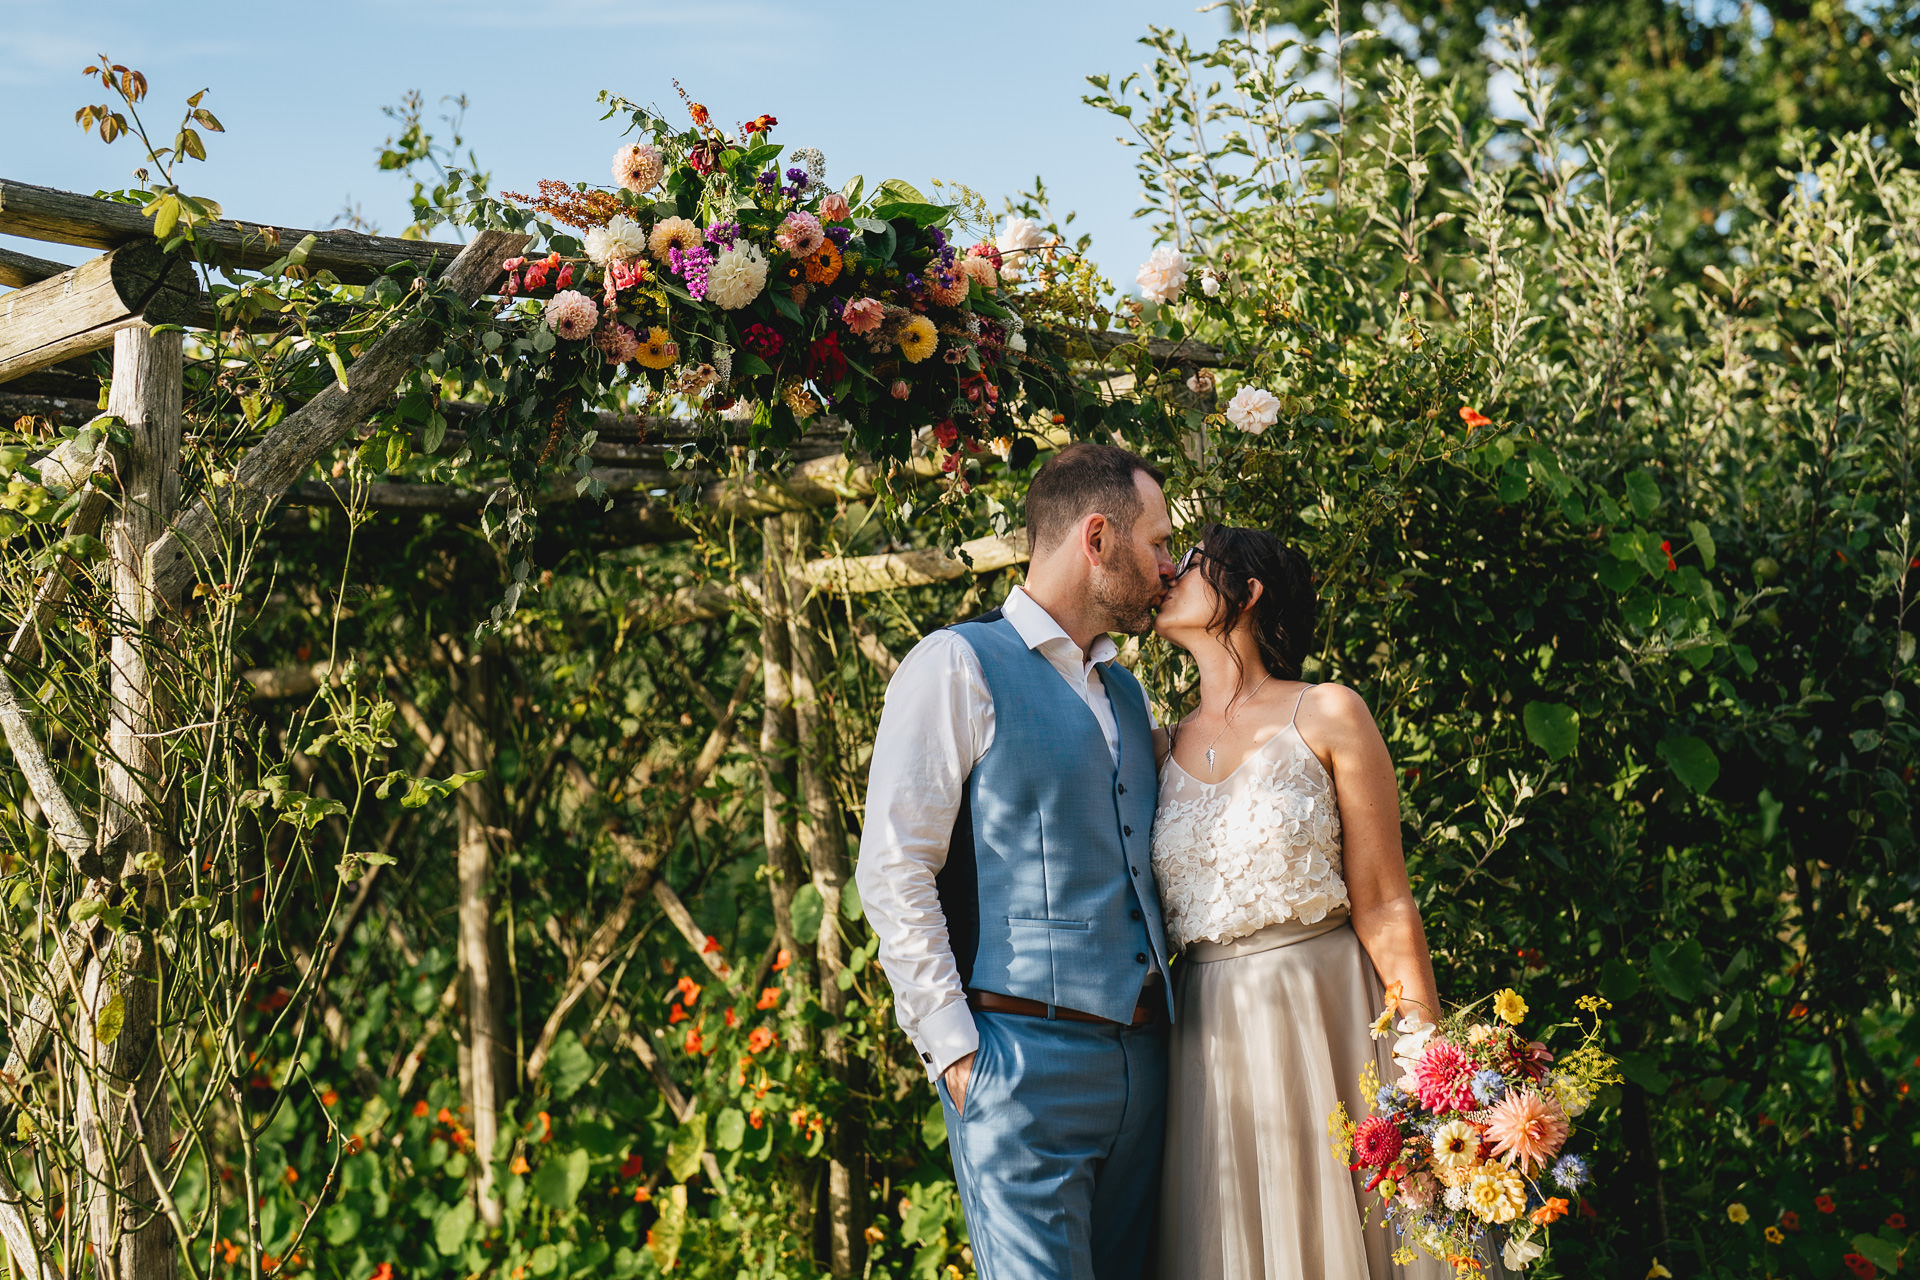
{"x":1163,"y":275}
{"x":621,"y":238}
{"x":737,"y":276}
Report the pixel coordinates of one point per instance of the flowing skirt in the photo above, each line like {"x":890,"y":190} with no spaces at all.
{"x":1272,"y":1034}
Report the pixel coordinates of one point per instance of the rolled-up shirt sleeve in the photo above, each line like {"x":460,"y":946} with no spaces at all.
{"x":936,"y":724}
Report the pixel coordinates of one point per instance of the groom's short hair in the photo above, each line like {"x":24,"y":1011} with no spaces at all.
{"x":1080,"y":480}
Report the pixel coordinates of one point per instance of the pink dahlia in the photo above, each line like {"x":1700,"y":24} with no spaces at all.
{"x":1443,"y":1078}
{"x":1377,"y":1142}
{"x":1526,"y":1127}
{"x":571,"y":314}
{"x":863,"y":315}
{"x":799,"y":234}
{"x":617,"y":342}
{"x":639,"y":167}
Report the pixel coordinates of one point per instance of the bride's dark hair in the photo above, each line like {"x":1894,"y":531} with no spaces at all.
{"x":1231,"y":560}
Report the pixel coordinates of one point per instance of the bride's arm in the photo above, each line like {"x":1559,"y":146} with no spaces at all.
{"x":1340,"y":729}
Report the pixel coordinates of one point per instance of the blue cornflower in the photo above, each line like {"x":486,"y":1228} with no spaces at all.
{"x":1488,"y":1086}
{"x":1570,"y":1173}
{"x":1392,"y":1098}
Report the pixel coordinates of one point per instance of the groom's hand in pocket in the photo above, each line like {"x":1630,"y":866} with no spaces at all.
{"x":957,"y":1076}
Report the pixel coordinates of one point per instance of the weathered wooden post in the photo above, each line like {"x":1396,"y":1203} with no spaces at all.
{"x":125,"y":1125}
{"x":823,"y":835}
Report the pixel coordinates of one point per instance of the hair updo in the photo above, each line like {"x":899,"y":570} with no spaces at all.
{"x":1231,"y":560}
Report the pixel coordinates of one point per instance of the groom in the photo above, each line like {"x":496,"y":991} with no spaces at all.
{"x":1005,"y":869}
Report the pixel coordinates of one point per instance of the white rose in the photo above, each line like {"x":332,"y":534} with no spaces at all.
{"x":1020,"y":234}
{"x":1162,"y":275}
{"x":1518,"y":1254}
{"x":1210,"y":285}
{"x":1253,"y":410}
{"x":737,"y":276}
{"x":621,"y":238}
{"x":1017,"y":343}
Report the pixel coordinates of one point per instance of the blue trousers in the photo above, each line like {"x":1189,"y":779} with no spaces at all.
{"x":1058,"y":1154}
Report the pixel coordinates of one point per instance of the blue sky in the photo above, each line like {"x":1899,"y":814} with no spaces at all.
{"x":987,"y":94}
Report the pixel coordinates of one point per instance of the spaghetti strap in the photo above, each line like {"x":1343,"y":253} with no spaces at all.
{"x":1296,"y":704}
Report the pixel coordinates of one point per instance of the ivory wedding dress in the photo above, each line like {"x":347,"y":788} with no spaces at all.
{"x":1275,"y":997}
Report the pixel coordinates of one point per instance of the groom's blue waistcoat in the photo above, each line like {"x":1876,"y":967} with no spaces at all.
{"x":1048,"y":886}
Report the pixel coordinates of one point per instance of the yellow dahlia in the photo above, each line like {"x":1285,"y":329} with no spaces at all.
{"x":658,"y":349}
{"x":1510,"y":1007}
{"x":1496,"y":1194}
{"x":918,"y":339}
{"x":673,"y":233}
{"x":823,"y":264}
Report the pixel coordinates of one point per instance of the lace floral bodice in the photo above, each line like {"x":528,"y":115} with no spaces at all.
{"x":1258,"y":847}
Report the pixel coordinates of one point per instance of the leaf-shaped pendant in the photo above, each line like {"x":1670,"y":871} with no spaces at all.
{"x":1209,"y":762}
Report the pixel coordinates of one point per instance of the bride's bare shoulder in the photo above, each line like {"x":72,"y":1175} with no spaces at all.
{"x":1335,"y":715}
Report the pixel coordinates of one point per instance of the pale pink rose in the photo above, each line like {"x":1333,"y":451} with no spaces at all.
{"x":835,"y":208}
{"x":1253,"y":410}
{"x":902,"y":388}
{"x":863,"y":315}
{"x":1163,"y":275}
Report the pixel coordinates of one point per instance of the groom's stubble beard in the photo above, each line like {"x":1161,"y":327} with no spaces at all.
{"x":1127,"y":594}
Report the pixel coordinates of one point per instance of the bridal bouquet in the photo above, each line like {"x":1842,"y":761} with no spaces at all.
{"x":722,"y":269}
{"x":1473,"y":1133}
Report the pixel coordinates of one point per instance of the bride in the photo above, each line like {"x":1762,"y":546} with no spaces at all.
{"x":1277,"y":852}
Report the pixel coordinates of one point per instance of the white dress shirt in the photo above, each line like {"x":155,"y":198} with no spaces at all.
{"x":937,"y":723}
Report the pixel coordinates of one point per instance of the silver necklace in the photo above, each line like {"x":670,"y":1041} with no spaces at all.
{"x":1226,"y":721}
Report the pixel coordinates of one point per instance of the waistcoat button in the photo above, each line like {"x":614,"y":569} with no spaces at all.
{"x":1123,"y":788}
{"x":1135,"y":913}
{"x":1140,"y":957}
{"x":1126,"y":831}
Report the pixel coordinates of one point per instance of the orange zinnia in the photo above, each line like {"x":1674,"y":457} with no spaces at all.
{"x":823,"y":264}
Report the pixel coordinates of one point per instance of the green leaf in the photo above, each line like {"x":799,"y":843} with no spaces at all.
{"x":750,"y":365}
{"x":1513,"y":487}
{"x":165,"y":212}
{"x":807,"y":910}
{"x":113,"y":1016}
{"x":1643,"y":1070}
{"x":664,"y":1240}
{"x":1702,"y":542}
{"x":688,"y":1144}
{"x":451,"y":1227}
{"x":730,"y":1129}
{"x":904,"y":192}
{"x":569,"y":1065}
{"x":558,"y":1181}
{"x":850,"y":901}
{"x":1553,"y":727}
{"x":785,"y":305}
{"x":1681,"y":968}
{"x":1643,"y":494}
{"x":1865,"y":740}
{"x":1881,"y":1253}
{"x":341,"y":1224}
{"x":933,"y":1126}
{"x":920,"y":214}
{"x":1692,"y":761}
{"x":339,"y":369}
{"x":1618,"y":981}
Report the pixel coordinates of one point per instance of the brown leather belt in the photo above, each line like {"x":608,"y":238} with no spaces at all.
{"x":1150,"y":1009}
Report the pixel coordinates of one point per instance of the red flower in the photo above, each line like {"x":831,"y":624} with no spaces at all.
{"x":565,"y":279}
{"x":1858,"y":1265}
{"x":693,"y":1041}
{"x":763,"y":341}
{"x":760,"y":1040}
{"x":676,"y":1014}
{"x":688,"y":988}
{"x":382,"y":1272}
{"x":1790,"y":1220}
{"x":825,"y":363}
{"x":1377,"y":1142}
{"x":1473,"y":417}
{"x":769,"y":997}
{"x":759,"y":124}
{"x":712,"y":945}
{"x":781,"y":961}
{"x":1898,"y":1221}
{"x":1668,"y":548}
{"x":1824,"y":1204}
{"x":420,"y":1107}
{"x":731,"y":1020}
{"x":946,"y":434}
{"x":630,"y":1167}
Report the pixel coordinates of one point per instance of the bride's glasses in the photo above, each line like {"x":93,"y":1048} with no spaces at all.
{"x":1187,"y":561}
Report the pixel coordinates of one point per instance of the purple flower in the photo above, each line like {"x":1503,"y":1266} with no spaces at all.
{"x":769,"y":180}
{"x":938,"y":237}
{"x":840,"y":235}
{"x":691,"y":266}
{"x":723,"y":234}
{"x":798,"y":177}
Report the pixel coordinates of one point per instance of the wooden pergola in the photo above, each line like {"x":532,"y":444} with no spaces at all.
{"x":135,"y":299}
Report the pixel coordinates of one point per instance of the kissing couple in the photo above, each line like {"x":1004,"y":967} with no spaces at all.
{"x":1140,"y":964}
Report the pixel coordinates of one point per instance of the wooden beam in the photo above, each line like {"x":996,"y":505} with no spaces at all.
{"x":44,"y":213}
{"x":1161,"y":351}
{"x":81,"y":309}
{"x":18,"y":270}
{"x":897,"y":570}
{"x":267,"y":469}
